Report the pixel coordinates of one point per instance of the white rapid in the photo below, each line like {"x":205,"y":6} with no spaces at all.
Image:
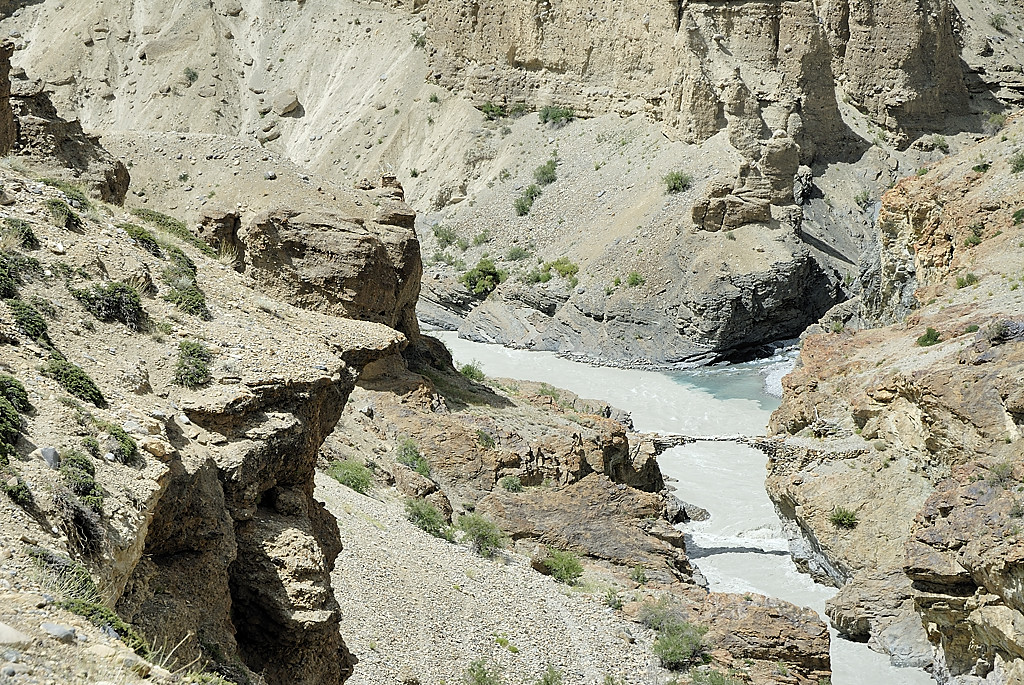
{"x":741,"y":548}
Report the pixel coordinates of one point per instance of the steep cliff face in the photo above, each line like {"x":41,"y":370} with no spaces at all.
{"x":916,"y":427}
{"x":673,"y":61}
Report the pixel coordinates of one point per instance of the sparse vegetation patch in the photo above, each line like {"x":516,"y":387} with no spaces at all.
{"x":74,"y":380}
{"x":193,"y":367}
{"x":352,"y":474}
{"x":113,"y":302}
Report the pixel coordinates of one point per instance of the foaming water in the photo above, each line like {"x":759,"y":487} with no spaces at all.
{"x":741,"y":548}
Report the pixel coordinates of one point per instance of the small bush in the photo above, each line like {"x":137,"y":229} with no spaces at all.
{"x":973,"y":328}
{"x":612,"y":600}
{"x":483,"y":535}
{"x":143,"y":237}
{"x":941,"y":144}
{"x":472,"y":371}
{"x":511,"y":483}
{"x":998,"y":21}
{"x":175,"y":227}
{"x":409,"y":455}
{"x":127,"y":451}
{"x":1001,"y":473}
{"x":19,"y":493}
{"x":14,"y":392}
{"x":352,"y":474}
{"x":1017,"y":163}
{"x":841,"y":517}
{"x":63,"y":215}
{"x":493,"y":111}
{"x":22,"y":232}
{"x":434,"y":99}
{"x":524,"y":203}
{"x":73,"y":193}
{"x":563,"y":267}
{"x":104,"y":617}
{"x":191,"y":75}
{"x":679,"y":644}
{"x":930,"y":337}
{"x":482,"y":238}
{"x":863,"y":199}
{"x":445,"y":236}
{"x":485,"y":439}
{"x":74,"y":380}
{"x":483,"y":278}
{"x":479,"y":674}
{"x":428,"y":518}
{"x":551,"y":676}
{"x":419,"y":39}
{"x":546,"y":173}
{"x":516,"y":253}
{"x":1018,"y":217}
{"x":559,"y":116}
{"x":113,"y":302}
{"x":79,"y":474}
{"x":193,"y":367}
{"x":564,"y":566}
{"x":10,"y":430}
{"x":677,"y":181}
{"x":656,"y":614}
{"x":638,"y":575}
{"x":634,"y":279}
{"x":79,"y":522}
{"x":10,"y":278}
{"x":713,"y":678}
{"x":966,"y":280}
{"x":29,"y":320}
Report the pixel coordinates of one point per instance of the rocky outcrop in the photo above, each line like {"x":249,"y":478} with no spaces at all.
{"x":349,"y":265}
{"x":238,"y":554}
{"x":55,"y":147}
{"x":915,"y":429}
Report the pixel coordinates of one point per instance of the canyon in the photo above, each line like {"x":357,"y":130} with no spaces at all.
{"x":319,"y":181}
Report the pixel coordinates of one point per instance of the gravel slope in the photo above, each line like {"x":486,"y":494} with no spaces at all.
{"x":418,"y":609}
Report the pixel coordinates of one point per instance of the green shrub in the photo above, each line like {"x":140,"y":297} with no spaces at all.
{"x":551,"y":676}
{"x":546,"y":173}
{"x":10,"y":430}
{"x":483,"y":535}
{"x":189,"y":299}
{"x":493,"y":111}
{"x":127,"y":451}
{"x":193,"y":367}
{"x":973,"y":328}
{"x":30,"y":321}
{"x":19,"y":493}
{"x":409,"y":455}
{"x":23,"y":232}
{"x":482,"y":238}
{"x":966,"y":280}
{"x":63,"y":215}
{"x":841,"y":517}
{"x":485,"y":439}
{"x":930,"y":337}
{"x":185,"y":293}
{"x":352,"y":474}
{"x":941,"y":144}
{"x":445,"y":236}
{"x":1001,"y":473}
{"x":538,"y":276}
{"x":472,"y":371}
{"x":104,"y":617}
{"x":679,"y":644}
{"x":677,"y":181}
{"x":524,"y":203}
{"x":10,"y":278}
{"x":612,"y":600}
{"x":563,"y":267}
{"x":998,"y":21}
{"x":175,"y":227}
{"x":511,"y":483}
{"x":516,"y":253}
{"x":14,"y":392}
{"x":483,"y":278}
{"x":419,"y":39}
{"x":638,"y":575}
{"x":559,"y":116}
{"x":74,"y":380}
{"x":79,"y":474}
{"x":428,"y":518}
{"x":479,"y":674}
{"x":113,"y":302}
{"x":1017,"y":163}
{"x":73,"y":193}
{"x":143,"y":237}
{"x":564,"y":566}
{"x":634,"y":279}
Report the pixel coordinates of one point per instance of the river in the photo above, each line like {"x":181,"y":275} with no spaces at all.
{"x":741,"y":548}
